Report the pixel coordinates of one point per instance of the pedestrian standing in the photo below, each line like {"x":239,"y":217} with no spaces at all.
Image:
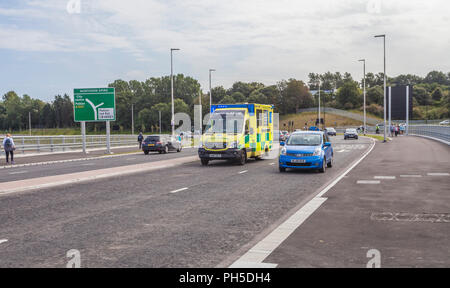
{"x":9,"y":146}
{"x":140,"y":139}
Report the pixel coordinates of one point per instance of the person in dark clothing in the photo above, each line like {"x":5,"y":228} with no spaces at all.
{"x":9,"y":146}
{"x":140,"y":139}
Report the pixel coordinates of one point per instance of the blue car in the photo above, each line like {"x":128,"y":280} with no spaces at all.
{"x":306,"y":150}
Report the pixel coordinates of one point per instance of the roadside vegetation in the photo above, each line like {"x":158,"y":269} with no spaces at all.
{"x":152,"y":96}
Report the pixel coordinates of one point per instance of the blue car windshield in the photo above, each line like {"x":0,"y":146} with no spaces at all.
{"x":305,"y":140}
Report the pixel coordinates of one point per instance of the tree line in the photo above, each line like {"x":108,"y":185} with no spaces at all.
{"x":151,"y":97}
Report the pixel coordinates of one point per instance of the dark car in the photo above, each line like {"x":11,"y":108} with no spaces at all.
{"x":350,"y":133}
{"x":331,"y":131}
{"x":161,"y":144}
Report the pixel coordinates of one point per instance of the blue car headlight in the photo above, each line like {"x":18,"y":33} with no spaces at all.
{"x":317,"y":152}
{"x":283,"y":151}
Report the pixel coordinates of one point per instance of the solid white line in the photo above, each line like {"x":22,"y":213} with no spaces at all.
{"x":370,"y":182}
{"x":3,"y":241}
{"x":385,"y":177}
{"x":438,"y":174}
{"x":410,"y":176}
{"x":347,"y":171}
{"x":179,"y":190}
{"x":18,"y":172}
{"x":242,"y":172}
{"x":252,"y":265}
{"x":256,"y":255}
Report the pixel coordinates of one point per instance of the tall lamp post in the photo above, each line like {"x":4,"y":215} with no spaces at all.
{"x":172,"y":122}
{"x":210,"y":89}
{"x":384,"y":99}
{"x":364,"y":81}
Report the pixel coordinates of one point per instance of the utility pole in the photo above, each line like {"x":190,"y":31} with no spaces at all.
{"x":132,"y":119}
{"x":172,"y":122}
{"x":364,"y":71}
{"x":29,"y":121}
{"x":210,"y":89}
{"x":384,"y":99}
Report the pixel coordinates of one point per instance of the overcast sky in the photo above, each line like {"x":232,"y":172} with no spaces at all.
{"x":48,"y":47}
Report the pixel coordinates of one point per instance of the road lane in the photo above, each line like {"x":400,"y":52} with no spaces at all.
{"x":14,"y":174}
{"x":134,"y":221}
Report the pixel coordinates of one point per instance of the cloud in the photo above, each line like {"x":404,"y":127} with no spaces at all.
{"x":252,"y":40}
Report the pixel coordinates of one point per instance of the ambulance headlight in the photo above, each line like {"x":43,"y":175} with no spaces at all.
{"x":283,"y":151}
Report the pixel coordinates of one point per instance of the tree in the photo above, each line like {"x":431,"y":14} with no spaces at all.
{"x":436,"y":77}
{"x":218,"y":93}
{"x":437,"y":94}
{"x":375,"y":95}
{"x":296,"y":95}
{"x":348,"y":96}
{"x":238,"y":97}
{"x":421,"y":95}
{"x":228,"y":99}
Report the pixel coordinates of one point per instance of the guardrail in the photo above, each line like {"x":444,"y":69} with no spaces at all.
{"x":44,"y":144}
{"x":433,"y":131}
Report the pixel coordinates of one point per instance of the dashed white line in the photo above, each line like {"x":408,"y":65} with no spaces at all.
{"x":438,"y":174}
{"x":179,"y":190}
{"x":18,"y":172}
{"x":341,"y":151}
{"x":3,"y":241}
{"x":369,"y":182}
{"x":410,"y":176}
{"x":385,"y":177}
{"x":130,"y":159}
{"x":242,"y":172}
{"x":88,"y":164}
{"x":271,"y":164}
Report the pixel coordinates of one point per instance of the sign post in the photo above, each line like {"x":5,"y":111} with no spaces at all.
{"x":95,"y":105}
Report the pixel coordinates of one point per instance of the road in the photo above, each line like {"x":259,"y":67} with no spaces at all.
{"x":396,"y":202}
{"x":185,"y":216}
{"x":27,"y":172}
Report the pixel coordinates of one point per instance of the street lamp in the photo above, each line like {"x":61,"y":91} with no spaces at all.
{"x":364,"y":71}
{"x":384,"y":76}
{"x":172,"y":122}
{"x":210,"y":91}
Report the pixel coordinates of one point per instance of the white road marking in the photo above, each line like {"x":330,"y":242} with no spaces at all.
{"x":341,"y":151}
{"x":242,"y":172}
{"x":271,"y":164}
{"x":130,"y":159}
{"x":88,"y":164}
{"x":18,"y":172}
{"x":370,"y":182}
{"x":256,"y":255}
{"x":179,"y":190}
{"x":385,"y":177}
{"x":410,"y":176}
{"x":438,"y":174}
{"x":3,"y":241}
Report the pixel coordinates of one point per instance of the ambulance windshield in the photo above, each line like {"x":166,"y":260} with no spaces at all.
{"x":227,"y":121}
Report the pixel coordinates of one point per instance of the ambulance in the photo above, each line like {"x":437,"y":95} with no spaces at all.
{"x":237,"y":132}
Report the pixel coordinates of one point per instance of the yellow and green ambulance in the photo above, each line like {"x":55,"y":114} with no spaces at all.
{"x":237,"y":132}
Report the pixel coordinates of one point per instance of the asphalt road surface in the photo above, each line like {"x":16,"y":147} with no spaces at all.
{"x":27,"y":172}
{"x":186,"y":216}
{"x":395,"y":205}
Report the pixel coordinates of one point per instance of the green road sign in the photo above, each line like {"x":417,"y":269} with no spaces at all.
{"x":94,"y":104}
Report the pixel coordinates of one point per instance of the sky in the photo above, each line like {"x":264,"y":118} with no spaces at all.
{"x":50,"y":47}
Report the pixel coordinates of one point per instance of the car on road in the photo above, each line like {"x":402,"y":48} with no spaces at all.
{"x":161,"y":144}
{"x":307,"y":150}
{"x":284,"y":135}
{"x":350,"y":133}
{"x":445,"y":122}
{"x":331,"y":131}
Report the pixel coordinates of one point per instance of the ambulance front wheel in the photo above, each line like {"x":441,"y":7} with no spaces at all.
{"x":204,"y":162}
{"x":243,"y":158}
